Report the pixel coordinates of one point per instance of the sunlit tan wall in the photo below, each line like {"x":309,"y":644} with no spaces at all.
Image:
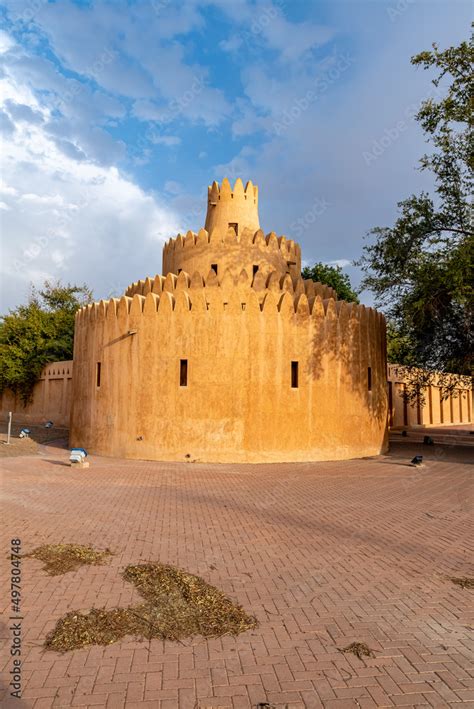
{"x":249,"y":250}
{"x":238,"y":404}
{"x":434,"y":408}
{"x":51,"y":400}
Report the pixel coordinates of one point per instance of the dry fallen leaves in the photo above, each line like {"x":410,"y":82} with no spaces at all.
{"x":463,"y":581}
{"x":61,"y":558}
{"x":359,"y":649}
{"x":177,"y":605}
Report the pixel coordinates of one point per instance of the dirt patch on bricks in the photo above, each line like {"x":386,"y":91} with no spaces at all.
{"x":61,"y":558}
{"x":39,"y":434}
{"x":178,"y":605}
{"x":463,"y":581}
{"x":360,"y":650}
{"x":17,"y":446}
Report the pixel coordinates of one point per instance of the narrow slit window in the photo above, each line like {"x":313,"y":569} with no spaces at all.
{"x":214,"y":267}
{"x":183,"y":372}
{"x":179,"y":270}
{"x":294,"y":375}
{"x":255,"y":268}
{"x":98,"y":373}
{"x":369,"y":378}
{"x":234,"y":226}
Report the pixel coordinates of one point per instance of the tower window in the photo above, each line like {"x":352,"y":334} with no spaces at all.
{"x":179,"y":270}
{"x":214,"y":267}
{"x":97,"y":374}
{"x":234,"y":226}
{"x":183,"y":372}
{"x":369,"y":378}
{"x":255,"y":268}
{"x":294,"y":375}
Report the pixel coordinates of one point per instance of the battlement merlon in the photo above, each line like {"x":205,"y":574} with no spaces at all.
{"x":232,"y":238}
{"x":236,"y":208}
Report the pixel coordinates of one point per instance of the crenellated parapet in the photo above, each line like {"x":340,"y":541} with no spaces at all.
{"x":221,"y":250}
{"x":286,"y":303}
{"x":288,"y":247}
{"x":260,"y":282}
{"x":237,"y":206}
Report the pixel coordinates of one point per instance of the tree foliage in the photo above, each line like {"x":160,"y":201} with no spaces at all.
{"x":420,"y":269}
{"x":39,"y":332}
{"x":332,"y":276}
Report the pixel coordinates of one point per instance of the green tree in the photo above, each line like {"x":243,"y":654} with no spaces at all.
{"x":39,"y":332}
{"x":334,"y":277}
{"x":420,"y":270}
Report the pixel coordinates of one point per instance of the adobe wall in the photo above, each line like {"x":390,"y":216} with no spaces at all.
{"x":261,"y":284}
{"x":434,"y":409}
{"x":228,"y":250}
{"x":51,"y":399}
{"x":238,"y":205}
{"x":238,"y":404}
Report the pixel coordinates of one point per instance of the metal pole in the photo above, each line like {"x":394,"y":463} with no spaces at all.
{"x":9,"y":427}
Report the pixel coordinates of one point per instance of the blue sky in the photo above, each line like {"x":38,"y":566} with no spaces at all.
{"x":117,"y":115}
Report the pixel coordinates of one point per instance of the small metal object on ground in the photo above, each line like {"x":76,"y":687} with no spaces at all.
{"x":79,"y":464}
{"x":78,"y":457}
{"x":417,"y":460}
{"x":9,"y":427}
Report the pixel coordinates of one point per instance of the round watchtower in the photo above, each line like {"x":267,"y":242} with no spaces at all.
{"x":232,"y":238}
{"x":237,"y":208}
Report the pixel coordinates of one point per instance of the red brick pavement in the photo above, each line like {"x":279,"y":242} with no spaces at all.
{"x":323,"y":554}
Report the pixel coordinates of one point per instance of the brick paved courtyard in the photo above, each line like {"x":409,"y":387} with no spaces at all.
{"x":323,"y":554}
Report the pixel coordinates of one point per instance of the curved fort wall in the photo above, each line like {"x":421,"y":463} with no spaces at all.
{"x":237,"y":206}
{"x":240,"y":341}
{"x":247,"y":249}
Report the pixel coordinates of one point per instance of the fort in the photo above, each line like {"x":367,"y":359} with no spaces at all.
{"x":229,"y":356}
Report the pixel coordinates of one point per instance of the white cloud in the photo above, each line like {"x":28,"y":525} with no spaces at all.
{"x":341,"y":262}
{"x":128,"y":57}
{"x":55,"y":199}
{"x":7,"y":189}
{"x":77,"y":221}
{"x":6,"y":42}
{"x":173,"y":187}
{"x":264,"y":24}
{"x":72,"y":112}
{"x":232,"y":44}
{"x":22,"y":112}
{"x":168,"y":140}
